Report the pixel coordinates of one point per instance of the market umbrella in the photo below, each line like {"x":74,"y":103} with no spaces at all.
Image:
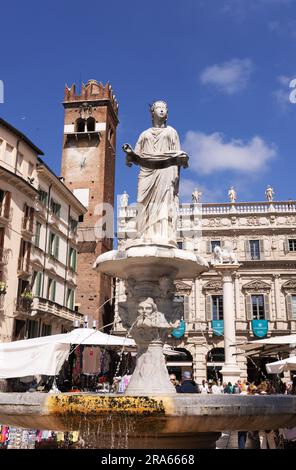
{"x":281,"y":366}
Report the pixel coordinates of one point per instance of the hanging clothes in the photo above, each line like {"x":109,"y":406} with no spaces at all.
{"x":91,"y":360}
{"x":105,"y":362}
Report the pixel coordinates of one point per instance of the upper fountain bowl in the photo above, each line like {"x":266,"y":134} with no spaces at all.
{"x":148,"y":262}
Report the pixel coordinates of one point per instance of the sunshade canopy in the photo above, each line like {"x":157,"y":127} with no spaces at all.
{"x":281,"y":366}
{"x":46,"y":355}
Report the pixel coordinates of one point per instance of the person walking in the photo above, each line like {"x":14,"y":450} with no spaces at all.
{"x":188,"y":385}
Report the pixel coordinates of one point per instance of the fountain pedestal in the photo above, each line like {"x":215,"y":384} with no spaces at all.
{"x":150,"y":311}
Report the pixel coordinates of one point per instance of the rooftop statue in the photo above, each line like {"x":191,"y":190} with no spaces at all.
{"x":160,"y":157}
{"x":269,"y":193}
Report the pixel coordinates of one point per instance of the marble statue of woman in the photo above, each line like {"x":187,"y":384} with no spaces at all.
{"x":159,"y":155}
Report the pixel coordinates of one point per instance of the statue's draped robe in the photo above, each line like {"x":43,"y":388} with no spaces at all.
{"x":158,"y":188}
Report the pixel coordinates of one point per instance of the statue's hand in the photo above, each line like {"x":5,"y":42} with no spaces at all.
{"x":183,"y":159}
{"x":127,"y":148}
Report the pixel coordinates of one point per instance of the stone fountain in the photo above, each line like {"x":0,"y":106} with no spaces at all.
{"x":152,"y":262}
{"x":151,"y":415}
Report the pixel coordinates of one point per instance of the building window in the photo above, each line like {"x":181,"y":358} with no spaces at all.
{"x":45,"y":330}
{"x":51,"y":290}
{"x":43,"y":195}
{"x":91,"y":124}
{"x":37,"y":234}
{"x":30,"y":169}
{"x":258,"y":307}
{"x":254,"y":249}
{"x":70,"y":299}
{"x":72,"y":259}
{"x":32,"y":329}
{"x":73,"y":224}
{"x":37,"y":281}
{"x":217,"y":307}
{"x":20,"y":160}
{"x":55,"y":207}
{"x":180,"y":300}
{"x":180,"y":245}
{"x":8,"y":154}
{"x":293,"y":307}
{"x":53,"y":245}
{"x":80,"y":125}
{"x":215,"y":243}
{"x":292,"y":244}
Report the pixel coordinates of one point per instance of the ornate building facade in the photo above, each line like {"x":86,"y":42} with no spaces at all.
{"x":38,"y":242}
{"x":263,"y":237}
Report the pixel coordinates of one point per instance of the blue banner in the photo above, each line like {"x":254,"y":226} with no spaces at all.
{"x":218,"y":327}
{"x":180,"y":331}
{"x":260,"y":328}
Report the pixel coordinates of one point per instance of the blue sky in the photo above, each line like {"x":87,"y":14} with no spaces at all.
{"x":224,"y":68}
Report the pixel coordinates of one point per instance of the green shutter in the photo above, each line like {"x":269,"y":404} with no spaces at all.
{"x":38,"y":280}
{"x":286,"y":245}
{"x":262,"y":249}
{"x":249,"y":307}
{"x":50,"y":243}
{"x":74,"y":260}
{"x":248,"y":249}
{"x":289,"y":307}
{"x":267,"y":306}
{"x":56,"y":247}
{"x":37,"y":234}
{"x":53,"y":291}
{"x":186,"y":307}
{"x":70,"y":299}
{"x":209,"y":310}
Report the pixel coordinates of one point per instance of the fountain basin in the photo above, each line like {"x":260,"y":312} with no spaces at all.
{"x":179,"y":421}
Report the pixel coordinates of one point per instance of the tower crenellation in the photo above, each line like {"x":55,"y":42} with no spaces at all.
{"x":91,"y":91}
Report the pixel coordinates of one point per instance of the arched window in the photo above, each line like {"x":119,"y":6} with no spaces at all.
{"x":80,"y":125}
{"x":216,"y":355}
{"x":91,"y":124}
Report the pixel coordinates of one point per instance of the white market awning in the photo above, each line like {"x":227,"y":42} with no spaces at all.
{"x":281,"y":366}
{"x":268,"y":345}
{"x":46,"y":355}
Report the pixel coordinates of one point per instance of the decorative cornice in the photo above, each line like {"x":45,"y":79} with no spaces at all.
{"x":256,"y":286}
{"x":181,"y":288}
{"x":290,"y":286}
{"x":214,"y":286}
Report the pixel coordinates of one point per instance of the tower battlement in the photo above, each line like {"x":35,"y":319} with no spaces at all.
{"x":91,"y":91}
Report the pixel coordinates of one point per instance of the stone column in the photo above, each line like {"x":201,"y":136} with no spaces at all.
{"x":277,"y":298}
{"x":230,"y":371}
{"x":237,"y":296}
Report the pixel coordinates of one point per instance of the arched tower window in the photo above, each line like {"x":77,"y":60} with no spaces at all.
{"x":80,"y":125}
{"x":91,"y":124}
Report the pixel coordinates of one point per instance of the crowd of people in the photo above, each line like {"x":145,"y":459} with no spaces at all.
{"x":266,"y":439}
{"x":243,"y":387}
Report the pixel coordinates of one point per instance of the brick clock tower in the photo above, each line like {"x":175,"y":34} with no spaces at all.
{"x":88,"y":169}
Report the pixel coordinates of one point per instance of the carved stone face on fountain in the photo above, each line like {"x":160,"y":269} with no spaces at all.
{"x":149,"y":316}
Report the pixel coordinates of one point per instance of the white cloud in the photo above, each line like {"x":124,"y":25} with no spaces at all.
{"x":210,"y":153}
{"x":230,"y":77}
{"x":282,"y":94}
